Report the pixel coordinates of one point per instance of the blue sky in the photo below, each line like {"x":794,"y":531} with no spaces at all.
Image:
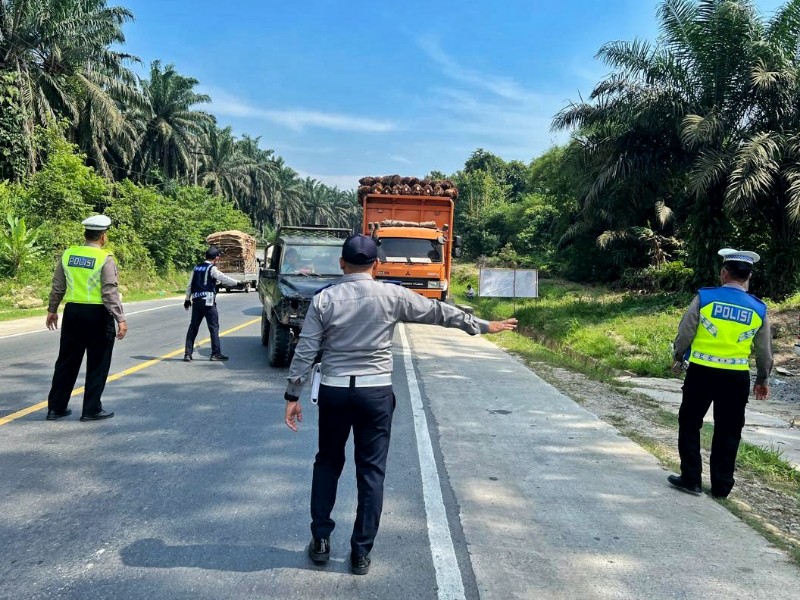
{"x":343,"y":89}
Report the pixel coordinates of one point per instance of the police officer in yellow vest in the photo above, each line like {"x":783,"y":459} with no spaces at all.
{"x":716,"y":335}
{"x":86,"y":279}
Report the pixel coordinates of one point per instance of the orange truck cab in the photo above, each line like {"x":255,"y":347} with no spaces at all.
{"x":415,"y":240}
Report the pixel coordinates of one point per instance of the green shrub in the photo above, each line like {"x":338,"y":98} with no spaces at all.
{"x":671,"y":277}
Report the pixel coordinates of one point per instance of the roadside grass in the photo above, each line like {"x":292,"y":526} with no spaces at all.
{"x":622,"y":331}
{"x":132,"y":287}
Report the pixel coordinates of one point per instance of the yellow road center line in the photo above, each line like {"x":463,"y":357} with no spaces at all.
{"x":31,"y":409}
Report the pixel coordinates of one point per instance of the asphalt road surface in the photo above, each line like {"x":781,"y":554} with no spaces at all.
{"x":497,"y":486}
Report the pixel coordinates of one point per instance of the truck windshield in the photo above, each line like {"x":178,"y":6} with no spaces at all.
{"x":409,"y":250}
{"x":311,"y":260}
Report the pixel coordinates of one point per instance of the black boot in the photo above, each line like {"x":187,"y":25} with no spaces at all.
{"x":319,"y":550}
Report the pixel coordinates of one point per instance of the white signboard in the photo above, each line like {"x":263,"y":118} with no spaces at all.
{"x":509,"y":283}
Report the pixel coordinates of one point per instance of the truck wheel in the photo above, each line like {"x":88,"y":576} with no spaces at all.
{"x":278,"y":345}
{"x":264,"y":329}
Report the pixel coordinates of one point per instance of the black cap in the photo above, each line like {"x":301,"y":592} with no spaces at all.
{"x":212,"y":252}
{"x":359,"y":250}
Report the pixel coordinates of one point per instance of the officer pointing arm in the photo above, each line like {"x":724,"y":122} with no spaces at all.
{"x":352,"y":323}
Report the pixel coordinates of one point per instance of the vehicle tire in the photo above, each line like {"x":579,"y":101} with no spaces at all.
{"x":444,"y":297}
{"x":264,"y":329}
{"x":278,"y":345}
{"x":227,"y":290}
{"x":246,"y":287}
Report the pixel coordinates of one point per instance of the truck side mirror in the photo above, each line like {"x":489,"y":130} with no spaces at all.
{"x":268,"y":273}
{"x":457,"y":246}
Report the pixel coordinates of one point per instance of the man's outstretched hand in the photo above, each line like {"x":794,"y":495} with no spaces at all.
{"x":504,"y":325}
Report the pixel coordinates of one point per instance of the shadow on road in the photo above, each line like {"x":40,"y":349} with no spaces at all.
{"x":154,"y":553}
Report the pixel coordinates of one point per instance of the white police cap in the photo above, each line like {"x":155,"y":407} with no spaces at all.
{"x":739,"y":255}
{"x":97,"y":223}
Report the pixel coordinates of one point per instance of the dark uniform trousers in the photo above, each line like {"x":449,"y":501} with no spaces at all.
{"x":368,"y":411}
{"x":728,"y":390}
{"x":89,"y":329}
{"x":199,"y":312}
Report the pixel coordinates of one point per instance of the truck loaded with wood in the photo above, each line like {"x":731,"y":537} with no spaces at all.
{"x":412,"y":221}
{"x":237,"y":259}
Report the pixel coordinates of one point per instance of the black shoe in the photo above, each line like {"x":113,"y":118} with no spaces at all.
{"x":218,"y":357}
{"x":97,"y":416}
{"x":53,"y":415}
{"x":319,"y":550}
{"x":719,"y":495}
{"x":360,"y":564}
{"x":187,"y":358}
{"x":677,"y":481}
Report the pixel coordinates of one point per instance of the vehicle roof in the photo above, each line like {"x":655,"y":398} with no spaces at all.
{"x":294,"y":240}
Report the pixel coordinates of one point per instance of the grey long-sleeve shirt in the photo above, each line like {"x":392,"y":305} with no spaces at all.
{"x":216,"y":275}
{"x":109,"y":280}
{"x":762,"y":342}
{"x":353,"y":322}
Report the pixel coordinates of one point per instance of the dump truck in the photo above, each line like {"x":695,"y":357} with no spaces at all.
{"x":302,"y":260}
{"x":412,"y":221}
{"x":237,"y":259}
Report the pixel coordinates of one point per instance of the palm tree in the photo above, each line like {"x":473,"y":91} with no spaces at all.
{"x":170,"y":129}
{"x":61,"y":52}
{"x":286,"y":193}
{"x":315,"y":197}
{"x":225,"y":170}
{"x":261,"y":174}
{"x":666,"y":125}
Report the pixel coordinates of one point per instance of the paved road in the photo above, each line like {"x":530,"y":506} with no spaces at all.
{"x":498,"y":486}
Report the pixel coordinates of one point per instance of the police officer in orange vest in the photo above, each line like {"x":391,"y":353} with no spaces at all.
{"x":716,"y":335}
{"x":86,"y":279}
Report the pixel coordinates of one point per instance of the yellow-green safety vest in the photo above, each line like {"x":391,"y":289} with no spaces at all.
{"x":83,"y":266}
{"x":729,"y":320}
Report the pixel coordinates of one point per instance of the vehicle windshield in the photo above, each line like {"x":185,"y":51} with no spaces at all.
{"x":311,"y":260}
{"x":409,"y":250}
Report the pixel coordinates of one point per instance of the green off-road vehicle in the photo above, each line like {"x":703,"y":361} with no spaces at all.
{"x":300,"y":262}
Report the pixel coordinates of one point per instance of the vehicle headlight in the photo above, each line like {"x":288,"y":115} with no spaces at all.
{"x":434,"y":284}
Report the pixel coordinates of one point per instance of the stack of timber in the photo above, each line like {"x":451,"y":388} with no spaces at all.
{"x":238,"y":251}
{"x":406,"y":186}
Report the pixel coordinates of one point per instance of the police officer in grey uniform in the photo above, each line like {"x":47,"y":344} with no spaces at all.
{"x":86,"y":278}
{"x":352,"y":323}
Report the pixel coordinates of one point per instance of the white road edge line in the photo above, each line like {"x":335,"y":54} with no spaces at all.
{"x":448,"y":574}
{"x":136,"y":312}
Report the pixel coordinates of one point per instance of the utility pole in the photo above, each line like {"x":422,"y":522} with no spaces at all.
{"x":195,"y":165}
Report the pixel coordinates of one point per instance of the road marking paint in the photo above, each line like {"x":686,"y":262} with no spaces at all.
{"x":31,"y":409}
{"x":44,"y":329}
{"x":448,"y":574}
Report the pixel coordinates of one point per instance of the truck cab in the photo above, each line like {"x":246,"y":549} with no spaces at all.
{"x":415,"y":244}
{"x":302,"y":260}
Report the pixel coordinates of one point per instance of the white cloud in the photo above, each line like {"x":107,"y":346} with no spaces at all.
{"x":485,"y":110}
{"x":400,"y":159}
{"x":343,"y":182}
{"x":297,"y":119}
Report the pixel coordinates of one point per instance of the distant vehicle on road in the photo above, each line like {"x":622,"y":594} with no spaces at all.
{"x":413,"y":221}
{"x":302,"y":260}
{"x":238,"y":258}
